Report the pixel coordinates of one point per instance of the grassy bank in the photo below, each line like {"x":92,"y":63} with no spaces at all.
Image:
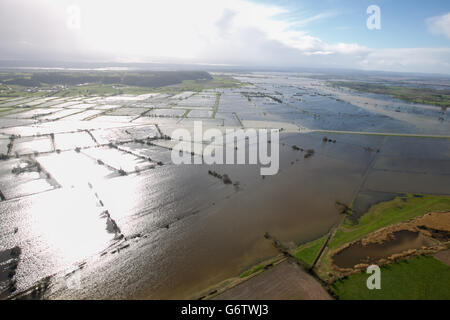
{"x":251,"y":271}
{"x":262,"y":266}
{"x":419,"y":278}
{"x":381,"y":215}
{"x":387,"y":213}
{"x":308,"y":252}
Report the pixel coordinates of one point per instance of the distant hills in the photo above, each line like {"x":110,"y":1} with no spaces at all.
{"x":151,"y":79}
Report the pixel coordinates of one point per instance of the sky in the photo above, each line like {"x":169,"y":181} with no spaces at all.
{"x":412,"y":36}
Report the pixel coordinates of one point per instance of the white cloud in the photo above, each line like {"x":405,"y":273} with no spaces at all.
{"x":193,"y":30}
{"x":317,"y":17}
{"x":440,"y":25}
{"x":234,"y":32}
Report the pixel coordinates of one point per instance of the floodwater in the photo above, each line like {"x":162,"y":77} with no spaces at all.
{"x":310,"y":103}
{"x":357,"y":253}
{"x":103,"y":200}
{"x":182,"y":223}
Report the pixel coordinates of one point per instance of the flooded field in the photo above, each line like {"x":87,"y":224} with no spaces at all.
{"x":371,"y":253}
{"x":88,"y":187}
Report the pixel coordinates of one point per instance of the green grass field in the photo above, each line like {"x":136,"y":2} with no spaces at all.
{"x":5,"y":109}
{"x":308,"y":252}
{"x":419,"y":278}
{"x":415,"y":95}
{"x":99,"y":89}
{"x":197,"y":86}
{"x":387,"y":213}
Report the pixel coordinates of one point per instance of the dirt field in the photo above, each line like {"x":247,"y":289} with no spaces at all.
{"x":444,"y":256}
{"x":287,"y":281}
